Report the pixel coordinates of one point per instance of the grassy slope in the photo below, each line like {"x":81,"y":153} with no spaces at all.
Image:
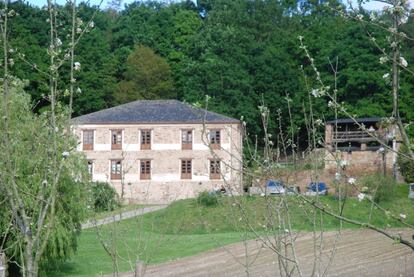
{"x":185,"y":228}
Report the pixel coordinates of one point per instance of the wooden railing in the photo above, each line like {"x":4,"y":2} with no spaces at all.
{"x":354,"y":135}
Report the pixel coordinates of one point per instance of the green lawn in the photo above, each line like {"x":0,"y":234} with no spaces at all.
{"x":186,"y":228}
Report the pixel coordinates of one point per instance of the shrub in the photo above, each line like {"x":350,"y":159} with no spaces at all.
{"x":105,"y":197}
{"x":207,"y":199}
{"x":382,"y":188}
{"x":406,"y":165}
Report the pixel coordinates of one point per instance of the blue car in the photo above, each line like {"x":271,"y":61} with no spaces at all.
{"x":317,"y":189}
{"x":275,"y":187}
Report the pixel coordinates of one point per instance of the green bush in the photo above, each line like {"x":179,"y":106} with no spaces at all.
{"x":105,"y":197}
{"x":406,"y":165}
{"x":208,"y":199}
{"x":382,"y":188}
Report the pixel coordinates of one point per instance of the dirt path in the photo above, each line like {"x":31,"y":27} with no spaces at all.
{"x":121,"y":216}
{"x":358,"y":253}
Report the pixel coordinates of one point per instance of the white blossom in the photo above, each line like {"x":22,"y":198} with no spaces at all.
{"x":78,"y":30}
{"x":318,"y":122}
{"x":65,"y":154}
{"x":11,"y":62}
{"x":351,"y":180}
{"x":403,"y":20}
{"x":343,"y":163}
{"x":58,"y":42}
{"x":337,"y":176}
{"x":386,"y":75}
{"x":403,"y":62}
{"x":359,"y":17}
{"x":392,"y":30}
{"x":91,"y":24}
{"x":381,"y":150}
{"x":403,"y":216}
{"x":44,"y":182}
{"x":78,"y":90}
{"x":361,"y":197}
{"x":76,"y":66}
{"x":317,"y":93}
{"x":383,"y":59}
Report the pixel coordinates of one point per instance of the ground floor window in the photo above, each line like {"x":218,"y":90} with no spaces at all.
{"x":116,"y":170}
{"x":186,"y":169}
{"x":214,"y":169}
{"x":145,"y":172}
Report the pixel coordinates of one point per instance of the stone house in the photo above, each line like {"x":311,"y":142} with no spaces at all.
{"x":361,"y":148}
{"x":158,"y":151}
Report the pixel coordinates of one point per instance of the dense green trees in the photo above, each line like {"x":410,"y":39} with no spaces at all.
{"x":238,"y":52}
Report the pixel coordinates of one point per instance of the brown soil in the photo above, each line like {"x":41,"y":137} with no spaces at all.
{"x":358,"y":253}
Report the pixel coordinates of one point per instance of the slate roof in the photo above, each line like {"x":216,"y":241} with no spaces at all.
{"x":153,"y":111}
{"x":359,"y":120}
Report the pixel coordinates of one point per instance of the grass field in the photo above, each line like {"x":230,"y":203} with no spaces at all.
{"x":186,"y":228}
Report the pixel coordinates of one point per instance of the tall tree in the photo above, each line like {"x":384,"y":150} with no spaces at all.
{"x":147,"y":76}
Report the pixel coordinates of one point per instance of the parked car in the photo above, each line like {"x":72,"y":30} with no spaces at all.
{"x":274,"y":187}
{"x":411,"y":191}
{"x":317,"y":189}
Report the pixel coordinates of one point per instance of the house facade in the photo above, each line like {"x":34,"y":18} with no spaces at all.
{"x":162,"y":150}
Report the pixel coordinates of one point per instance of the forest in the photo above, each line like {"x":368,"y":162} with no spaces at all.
{"x":239,"y":54}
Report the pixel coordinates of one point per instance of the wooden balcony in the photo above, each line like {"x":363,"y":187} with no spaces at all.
{"x":357,"y":136}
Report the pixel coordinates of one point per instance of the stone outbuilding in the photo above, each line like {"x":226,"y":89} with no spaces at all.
{"x":367,"y":144}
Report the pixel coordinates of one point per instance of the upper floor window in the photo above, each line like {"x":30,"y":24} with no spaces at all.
{"x":116,"y":139}
{"x":116,"y":170}
{"x":88,"y":139}
{"x":215,"y":138}
{"x":145,"y":139}
{"x":214,"y":169}
{"x":187,"y":139}
{"x":186,"y":169}
{"x":145,"y":171}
